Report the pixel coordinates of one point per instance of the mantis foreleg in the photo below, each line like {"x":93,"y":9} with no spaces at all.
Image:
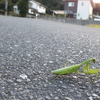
{"x":89,"y":71}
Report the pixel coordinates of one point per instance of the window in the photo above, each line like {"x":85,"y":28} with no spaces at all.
{"x":30,"y":5}
{"x":82,"y":3}
{"x":71,"y":4}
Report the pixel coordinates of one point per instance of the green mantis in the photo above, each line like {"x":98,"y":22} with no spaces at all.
{"x":75,"y":68}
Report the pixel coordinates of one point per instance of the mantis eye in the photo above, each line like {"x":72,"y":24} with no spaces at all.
{"x":93,"y":60}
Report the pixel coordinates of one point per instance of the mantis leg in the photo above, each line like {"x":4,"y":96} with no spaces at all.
{"x":89,"y":79}
{"x":96,"y":76}
{"x":67,"y":63}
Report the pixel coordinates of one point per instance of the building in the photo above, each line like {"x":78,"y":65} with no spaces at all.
{"x":15,"y":8}
{"x":81,"y":9}
{"x":35,"y":8}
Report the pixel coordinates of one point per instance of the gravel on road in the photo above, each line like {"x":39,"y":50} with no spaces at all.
{"x":31,"y":48}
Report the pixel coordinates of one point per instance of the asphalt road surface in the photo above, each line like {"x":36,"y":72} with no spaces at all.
{"x":31,"y":48}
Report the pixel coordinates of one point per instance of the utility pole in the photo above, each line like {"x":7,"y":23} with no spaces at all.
{"x":6,"y":7}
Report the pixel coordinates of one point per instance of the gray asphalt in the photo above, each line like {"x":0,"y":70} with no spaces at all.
{"x":31,"y":48}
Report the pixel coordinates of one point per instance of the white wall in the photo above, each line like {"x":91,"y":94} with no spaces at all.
{"x":30,"y":11}
{"x":41,"y":9}
{"x":34,"y":4}
{"x":84,"y":10}
{"x":38,"y":7}
{"x":15,"y":8}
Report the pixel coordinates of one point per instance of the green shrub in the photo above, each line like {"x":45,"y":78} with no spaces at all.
{"x":2,"y":12}
{"x":14,"y":14}
{"x":95,"y":26}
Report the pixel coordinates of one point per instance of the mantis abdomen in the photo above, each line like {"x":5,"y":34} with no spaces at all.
{"x":66,"y":70}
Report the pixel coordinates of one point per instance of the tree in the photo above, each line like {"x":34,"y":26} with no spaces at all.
{"x":52,"y":4}
{"x":2,"y":4}
{"x":10,"y":5}
{"x":14,"y":1}
{"x":23,"y":7}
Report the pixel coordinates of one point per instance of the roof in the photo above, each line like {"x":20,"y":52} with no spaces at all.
{"x":62,"y":12}
{"x":38,"y":3}
{"x":58,"y":11}
{"x":69,"y":0}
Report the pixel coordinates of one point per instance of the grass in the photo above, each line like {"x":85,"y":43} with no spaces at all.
{"x":95,"y":26}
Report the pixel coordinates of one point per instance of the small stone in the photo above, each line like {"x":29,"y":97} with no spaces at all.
{"x":90,"y":98}
{"x":56,"y":98}
{"x":78,"y":95}
{"x":44,"y":64}
{"x":16,"y":45}
{"x":61,"y":82}
{"x":88,"y":94}
{"x":27,"y":80}
{"x":19,"y":80}
{"x":75,"y":77}
{"x":59,"y":51}
{"x":71,"y":61}
{"x":25,"y":91}
{"x":51,"y":94}
{"x":98,"y":97}
{"x":72,"y":85}
{"x":31,"y":97}
{"x":80,"y":82}
{"x":81,"y":51}
{"x":64,"y":87}
{"x":40,"y":99}
{"x":51,"y":62}
{"x":9,"y":81}
{"x":94,"y":95}
{"x":83,"y":87}
{"x":45,"y":85}
{"x":23,"y":76}
{"x":28,"y":41}
{"x":67,"y":98}
{"x":35,"y":79}
{"x":97,"y":85}
{"x":47,"y":98}
{"x":29,"y":55}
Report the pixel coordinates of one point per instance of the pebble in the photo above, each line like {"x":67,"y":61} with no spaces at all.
{"x":90,"y":98}
{"x":75,"y":77}
{"x":67,"y":98}
{"x":9,"y":81}
{"x":64,"y":87}
{"x":47,"y":98}
{"x":19,"y":80}
{"x":94,"y":95}
{"x":23,"y":76}
{"x":51,"y":62}
{"x":40,"y":99}
{"x":31,"y":97}
{"x":56,"y":98}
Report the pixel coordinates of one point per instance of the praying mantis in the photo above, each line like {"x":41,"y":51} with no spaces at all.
{"x":75,"y":68}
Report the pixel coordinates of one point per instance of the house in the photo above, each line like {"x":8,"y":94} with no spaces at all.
{"x":15,"y":8}
{"x":81,"y":9}
{"x":35,"y":8}
{"x":58,"y":12}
